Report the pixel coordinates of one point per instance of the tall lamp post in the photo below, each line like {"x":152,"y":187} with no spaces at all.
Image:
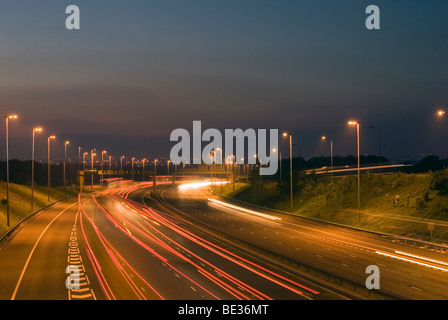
{"x":331,"y":153}
{"x":290,"y":165}
{"x":49,"y":166}
{"x":65,"y":160}
{"x":102,"y":166}
{"x":356,"y":123}
{"x":143,"y":174}
{"x":121,"y":166}
{"x":32,"y":169}
{"x":132,"y":167}
{"x":84,"y":160}
{"x":92,"y":154}
{"x":12,"y":116}
{"x":110,"y":164}
{"x":79,"y":157}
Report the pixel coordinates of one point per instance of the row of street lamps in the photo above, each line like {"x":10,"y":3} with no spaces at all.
{"x":440,"y":113}
{"x":34,"y":131}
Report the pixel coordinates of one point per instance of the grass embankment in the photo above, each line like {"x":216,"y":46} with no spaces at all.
{"x":20,"y":201}
{"x":386,"y":200}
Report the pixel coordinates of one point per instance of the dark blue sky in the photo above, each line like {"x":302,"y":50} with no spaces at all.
{"x":139,"y":69}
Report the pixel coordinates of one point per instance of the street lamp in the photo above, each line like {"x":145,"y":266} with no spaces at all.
{"x":121,"y":166}
{"x":12,"y":116}
{"x":49,"y":166}
{"x":102,"y":166}
{"x":168,"y":166}
{"x":110,"y":164}
{"x":79,"y":157}
{"x":155,"y":166}
{"x":32,"y":169}
{"x":132,"y":167}
{"x":356,"y":123}
{"x":143,"y":175}
{"x":331,"y":153}
{"x":65,"y":160}
{"x":92,"y":154}
{"x":84,"y":160}
{"x":441,"y":113}
{"x":285,"y":134}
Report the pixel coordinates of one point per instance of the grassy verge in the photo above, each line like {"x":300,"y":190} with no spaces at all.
{"x":20,"y":201}
{"x":400,"y":203}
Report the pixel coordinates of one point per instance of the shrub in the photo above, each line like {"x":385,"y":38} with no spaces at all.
{"x":439,"y":181}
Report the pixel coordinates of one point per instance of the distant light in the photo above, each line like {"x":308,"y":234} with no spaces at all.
{"x":285,"y":134}
{"x":52,"y":137}
{"x":324,"y":137}
{"x":37,"y":129}
{"x":441,"y":113}
{"x":352,"y":122}
{"x":11,"y":116}
{"x":67,"y":142}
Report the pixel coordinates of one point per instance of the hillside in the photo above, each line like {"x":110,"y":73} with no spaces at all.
{"x":20,"y":201}
{"x":398,"y":203}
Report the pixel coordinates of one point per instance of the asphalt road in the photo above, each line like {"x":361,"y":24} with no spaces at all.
{"x":124,"y":244}
{"x":126,"y":251}
{"x":406,"y":271}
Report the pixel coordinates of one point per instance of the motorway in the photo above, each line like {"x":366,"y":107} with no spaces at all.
{"x":127,"y":251}
{"x":128,"y":243}
{"x":406,"y":271}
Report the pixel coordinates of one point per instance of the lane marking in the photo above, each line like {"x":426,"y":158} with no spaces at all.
{"x":34,"y":248}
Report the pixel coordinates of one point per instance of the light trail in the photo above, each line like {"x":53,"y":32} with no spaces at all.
{"x":231,"y":206}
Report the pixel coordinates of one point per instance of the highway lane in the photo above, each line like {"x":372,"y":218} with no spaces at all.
{"x":124,"y":250}
{"x":127,"y":247}
{"x":34,"y":259}
{"x":178,"y":260}
{"x":405,"y":270}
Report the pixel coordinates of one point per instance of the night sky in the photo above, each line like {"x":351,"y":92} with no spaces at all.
{"x":136,"y":70}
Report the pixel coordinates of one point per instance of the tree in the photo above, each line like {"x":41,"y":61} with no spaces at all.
{"x":429,"y":163}
{"x":439,"y":181}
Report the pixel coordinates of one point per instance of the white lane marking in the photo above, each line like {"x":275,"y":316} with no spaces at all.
{"x":34,"y":248}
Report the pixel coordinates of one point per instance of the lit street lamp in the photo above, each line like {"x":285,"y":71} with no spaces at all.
{"x":143,"y":174}
{"x":65,"y":160}
{"x":110,"y":164}
{"x":102,"y":166}
{"x":84,"y":160}
{"x":49,"y":166}
{"x":290,"y":165}
{"x":121,"y":166}
{"x":441,"y":113}
{"x":92,"y":154}
{"x":356,"y":123}
{"x":13,"y":116}
{"x":331,"y":153}
{"x":32,"y":169}
{"x":132,"y":167}
{"x":79,"y":157}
